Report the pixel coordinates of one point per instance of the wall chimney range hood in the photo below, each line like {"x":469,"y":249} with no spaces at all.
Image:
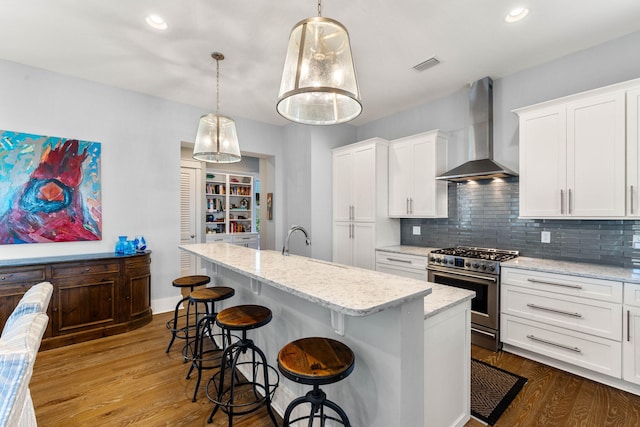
{"x":480,"y":138}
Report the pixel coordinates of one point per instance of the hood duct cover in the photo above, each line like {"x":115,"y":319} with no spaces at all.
{"x":480,"y":138}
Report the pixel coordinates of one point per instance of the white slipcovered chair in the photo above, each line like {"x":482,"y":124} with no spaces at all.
{"x":19,"y":344}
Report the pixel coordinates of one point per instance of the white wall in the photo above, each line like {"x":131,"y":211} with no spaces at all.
{"x":140,"y":138}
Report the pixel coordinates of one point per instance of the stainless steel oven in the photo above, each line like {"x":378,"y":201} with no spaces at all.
{"x":475,"y":269}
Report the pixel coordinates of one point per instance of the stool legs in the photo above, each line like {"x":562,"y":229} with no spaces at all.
{"x":173,"y":325}
{"x":318,"y":400}
{"x":197,"y":362}
{"x":230,"y":357}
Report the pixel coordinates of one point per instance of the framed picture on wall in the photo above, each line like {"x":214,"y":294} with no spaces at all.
{"x":50,"y":189}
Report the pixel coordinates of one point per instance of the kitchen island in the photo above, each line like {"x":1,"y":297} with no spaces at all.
{"x":380,"y":316}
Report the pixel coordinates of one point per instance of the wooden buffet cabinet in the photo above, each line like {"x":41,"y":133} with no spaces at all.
{"x":94,"y":295}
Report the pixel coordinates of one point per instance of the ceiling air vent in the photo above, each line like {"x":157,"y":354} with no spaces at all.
{"x":431,"y":62}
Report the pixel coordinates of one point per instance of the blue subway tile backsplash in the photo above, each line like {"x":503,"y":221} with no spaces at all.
{"x":485,"y":214}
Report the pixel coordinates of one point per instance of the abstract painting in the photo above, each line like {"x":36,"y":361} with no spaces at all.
{"x":50,"y":189}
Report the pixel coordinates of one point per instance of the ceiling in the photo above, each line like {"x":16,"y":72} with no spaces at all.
{"x":108,"y":42}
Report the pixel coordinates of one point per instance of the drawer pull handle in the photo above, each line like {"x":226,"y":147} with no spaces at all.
{"x":628,"y":325}
{"x":553,"y":310}
{"x":564,"y":285}
{"x":566,"y":347}
{"x":87,"y":269}
{"x":406,"y":261}
{"x":489,"y":334}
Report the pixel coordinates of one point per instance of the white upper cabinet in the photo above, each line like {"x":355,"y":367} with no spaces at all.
{"x":414,"y":163}
{"x":633,"y":152}
{"x":355,"y":183}
{"x":572,"y":157}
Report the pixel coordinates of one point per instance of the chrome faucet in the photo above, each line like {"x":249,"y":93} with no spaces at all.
{"x":285,"y":248}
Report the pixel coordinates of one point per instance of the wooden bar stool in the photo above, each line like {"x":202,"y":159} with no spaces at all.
{"x":316,"y":361}
{"x":242,"y":396}
{"x":195,"y":349}
{"x":177,"y":330}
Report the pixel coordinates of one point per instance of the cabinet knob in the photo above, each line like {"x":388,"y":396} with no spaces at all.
{"x":193,"y":236}
{"x":5,"y":277}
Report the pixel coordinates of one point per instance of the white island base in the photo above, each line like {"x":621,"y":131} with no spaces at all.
{"x":379,"y":316}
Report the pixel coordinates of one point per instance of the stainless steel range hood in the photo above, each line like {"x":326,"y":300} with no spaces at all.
{"x":480,"y":138}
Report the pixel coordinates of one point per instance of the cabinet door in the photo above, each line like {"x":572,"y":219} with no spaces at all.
{"x":364,"y":246}
{"x":633,"y":153}
{"x":631,"y":345}
{"x":85,"y":303}
{"x":137,"y":287}
{"x":423,"y":194}
{"x":596,"y":156}
{"x":543,"y":162}
{"x":363,"y":190}
{"x":342,"y":243}
{"x":400,"y":178}
{"x":342,"y":185}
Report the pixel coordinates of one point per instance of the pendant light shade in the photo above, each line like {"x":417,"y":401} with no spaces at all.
{"x":319,"y":84}
{"x":217,"y":139}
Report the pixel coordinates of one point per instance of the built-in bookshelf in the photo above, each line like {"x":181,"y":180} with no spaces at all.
{"x":229,"y":205}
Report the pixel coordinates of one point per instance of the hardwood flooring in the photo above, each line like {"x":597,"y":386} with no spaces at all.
{"x":128,"y":380}
{"x":553,"y":397}
{"x":124,"y":380}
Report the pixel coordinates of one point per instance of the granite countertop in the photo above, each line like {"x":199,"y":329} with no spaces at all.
{"x":407,"y":250}
{"x":581,"y":269}
{"x":443,"y":297}
{"x":344,"y":289}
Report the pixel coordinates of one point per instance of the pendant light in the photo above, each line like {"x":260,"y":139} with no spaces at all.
{"x":217,"y":139}
{"x":319,"y":85}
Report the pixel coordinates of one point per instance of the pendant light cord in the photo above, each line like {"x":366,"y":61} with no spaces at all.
{"x":319,"y":8}
{"x":217,"y":86}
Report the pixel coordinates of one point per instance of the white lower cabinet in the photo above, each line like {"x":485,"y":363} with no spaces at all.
{"x":354,"y":244}
{"x":587,"y":326}
{"x":413,"y":266}
{"x":631,"y":334}
{"x":584,"y":350}
{"x":447,"y":349}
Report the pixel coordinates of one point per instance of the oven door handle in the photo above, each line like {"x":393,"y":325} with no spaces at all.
{"x":457,"y":275}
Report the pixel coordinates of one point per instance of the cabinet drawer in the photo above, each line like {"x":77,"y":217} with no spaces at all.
{"x":632,"y":294}
{"x":594,"y":317}
{"x":603,"y":290}
{"x":413,"y":262}
{"x":137,"y":262}
{"x":594,"y":353}
{"x":70,"y":270}
{"x":22,"y":274}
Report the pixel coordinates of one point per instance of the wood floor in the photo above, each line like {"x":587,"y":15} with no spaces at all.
{"x":128,"y":380}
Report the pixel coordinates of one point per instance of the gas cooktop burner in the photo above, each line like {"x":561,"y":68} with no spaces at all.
{"x":479,"y":253}
{"x":469,"y":258}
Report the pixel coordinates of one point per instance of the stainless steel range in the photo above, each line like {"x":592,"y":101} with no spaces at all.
{"x":475,"y":269}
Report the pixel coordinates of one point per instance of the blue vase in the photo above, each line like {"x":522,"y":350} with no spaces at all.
{"x":140,"y":243}
{"x":121,"y":245}
{"x":129,"y":248}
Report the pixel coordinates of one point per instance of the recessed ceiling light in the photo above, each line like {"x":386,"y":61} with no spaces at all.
{"x":155,"y":21}
{"x":517,"y":14}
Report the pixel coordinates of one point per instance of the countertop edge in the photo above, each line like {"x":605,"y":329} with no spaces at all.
{"x":578,"y":269}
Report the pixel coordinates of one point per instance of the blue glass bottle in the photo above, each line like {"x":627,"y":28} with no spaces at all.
{"x":121,"y":245}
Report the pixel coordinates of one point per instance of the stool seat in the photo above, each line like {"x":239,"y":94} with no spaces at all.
{"x":315,"y":361}
{"x":191,"y":281}
{"x":215,"y":293}
{"x":243,"y":317}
